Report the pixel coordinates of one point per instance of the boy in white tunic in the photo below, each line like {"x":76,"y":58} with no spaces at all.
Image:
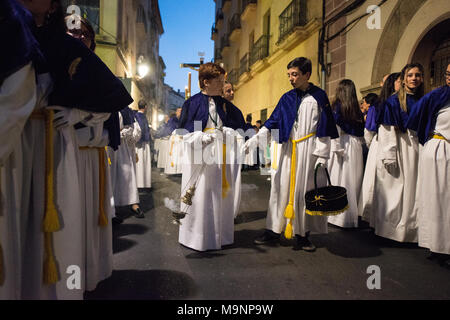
{"x":144,"y":163}
{"x":209,"y":223}
{"x":305,"y":124}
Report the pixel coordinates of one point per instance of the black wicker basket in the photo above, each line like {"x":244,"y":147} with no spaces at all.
{"x":326,"y":201}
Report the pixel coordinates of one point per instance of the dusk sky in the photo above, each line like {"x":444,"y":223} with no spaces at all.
{"x":187,"y":31}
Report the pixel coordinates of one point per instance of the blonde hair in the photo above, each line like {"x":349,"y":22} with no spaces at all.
{"x":402,"y":91}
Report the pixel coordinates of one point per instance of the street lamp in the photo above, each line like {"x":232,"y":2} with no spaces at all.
{"x":142,"y":67}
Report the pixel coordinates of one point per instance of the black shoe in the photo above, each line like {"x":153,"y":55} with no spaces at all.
{"x":138,"y":213}
{"x":267,"y":237}
{"x":303,"y":243}
{"x":116,"y":220}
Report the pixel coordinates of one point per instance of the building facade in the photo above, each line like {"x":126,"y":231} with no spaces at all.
{"x":256,"y":39}
{"x":361,"y":40}
{"x":173,"y":99}
{"x":128,"y":33}
{"x":369,"y":39}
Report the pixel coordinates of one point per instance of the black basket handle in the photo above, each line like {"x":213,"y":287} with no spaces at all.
{"x":315,"y":176}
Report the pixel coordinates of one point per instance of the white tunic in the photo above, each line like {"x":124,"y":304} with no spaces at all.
{"x":98,"y":239}
{"x":366,"y":196}
{"x":174,"y":154}
{"x":433,"y":192}
{"x":209,"y":223}
{"x":308,"y":152}
{"x":67,"y":242}
{"x":123,"y":165}
{"x":347,"y":171}
{"x":17,"y":100}
{"x":394,"y":210}
{"x":163,"y":152}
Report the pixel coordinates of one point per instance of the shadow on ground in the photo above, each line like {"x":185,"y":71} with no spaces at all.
{"x":144,"y":285}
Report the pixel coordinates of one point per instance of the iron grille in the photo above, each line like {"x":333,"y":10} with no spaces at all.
{"x":293,"y":16}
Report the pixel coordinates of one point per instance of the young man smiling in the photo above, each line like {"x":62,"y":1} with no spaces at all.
{"x":305,"y":124}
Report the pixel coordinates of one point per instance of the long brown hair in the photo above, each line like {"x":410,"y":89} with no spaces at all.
{"x":348,"y":101}
{"x":402,"y":91}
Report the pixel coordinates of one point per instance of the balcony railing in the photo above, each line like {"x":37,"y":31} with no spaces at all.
{"x":219,"y":15}
{"x":293,"y":16}
{"x":245,"y":3}
{"x":214,"y":31}
{"x":224,"y":42}
{"x":243,"y":65}
{"x":232,"y":76}
{"x":260,"y":49}
{"x":218,"y":54}
{"x":235,"y":22}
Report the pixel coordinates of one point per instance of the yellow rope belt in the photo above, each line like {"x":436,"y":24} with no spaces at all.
{"x":289,"y":211}
{"x":225,"y":184}
{"x":102,"y":219}
{"x":171,"y":150}
{"x":51,"y":220}
{"x":440,"y":137}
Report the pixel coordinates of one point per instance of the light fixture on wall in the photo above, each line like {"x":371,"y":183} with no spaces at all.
{"x":142,"y":67}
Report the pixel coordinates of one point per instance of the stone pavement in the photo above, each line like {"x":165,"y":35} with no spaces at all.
{"x":150,"y":264}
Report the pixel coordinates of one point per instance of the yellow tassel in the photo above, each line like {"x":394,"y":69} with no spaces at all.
{"x":288,"y":232}
{"x":2,"y":268}
{"x":51,"y":219}
{"x":225,"y":184}
{"x":109,"y":159}
{"x":50,"y":272}
{"x":289,"y":212}
{"x":102,"y":219}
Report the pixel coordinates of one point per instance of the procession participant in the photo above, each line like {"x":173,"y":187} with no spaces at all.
{"x":164,"y":133}
{"x":228,"y":94}
{"x":144,"y":165}
{"x":305,"y":124}
{"x":430,"y":118}
{"x":367,"y":101}
{"x":228,"y":91}
{"x":51,"y":192}
{"x":175,"y":151}
{"x":95,"y":180}
{"x":390,"y":86}
{"x":18,"y":62}
{"x":394,"y":209}
{"x":123,"y":164}
{"x":209,"y":223}
{"x":346,"y":165}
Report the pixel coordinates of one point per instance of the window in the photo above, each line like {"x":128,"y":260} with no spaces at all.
{"x":263,"y":115}
{"x":90,"y":10}
{"x":439,"y":63}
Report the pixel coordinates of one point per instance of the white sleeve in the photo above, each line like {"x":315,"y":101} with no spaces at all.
{"x":17,"y":101}
{"x":368,"y":136}
{"x":387,"y":139}
{"x":96,"y":118}
{"x":322,"y":149}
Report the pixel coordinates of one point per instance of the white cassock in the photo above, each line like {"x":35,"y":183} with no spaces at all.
{"x":394,"y":211}
{"x":95,"y":182}
{"x":366,"y":196}
{"x":433,"y":191}
{"x":308,"y":152}
{"x":123,"y":165}
{"x":209,"y":223}
{"x":346,"y":168}
{"x":250,"y":158}
{"x":67,"y":243}
{"x":156,"y":145}
{"x":275,"y":155}
{"x":144,"y":165}
{"x":17,"y":101}
{"x":163,"y":152}
{"x":174,"y":154}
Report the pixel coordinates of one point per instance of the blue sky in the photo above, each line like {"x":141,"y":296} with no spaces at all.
{"x":187,"y":31}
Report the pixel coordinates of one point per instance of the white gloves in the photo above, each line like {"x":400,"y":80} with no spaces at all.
{"x":65,"y":117}
{"x":390,"y":165}
{"x":251,"y":144}
{"x":322,"y":162}
{"x":207,"y":138}
{"x":260,"y":139}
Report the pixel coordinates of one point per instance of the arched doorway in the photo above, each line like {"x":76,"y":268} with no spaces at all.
{"x":433,"y":52}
